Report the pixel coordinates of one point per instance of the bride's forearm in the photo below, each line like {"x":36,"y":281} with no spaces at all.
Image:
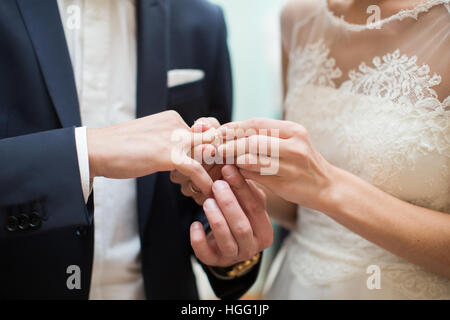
{"x":419,"y":235}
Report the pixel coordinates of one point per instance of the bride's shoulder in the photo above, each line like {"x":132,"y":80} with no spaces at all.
{"x":295,"y":11}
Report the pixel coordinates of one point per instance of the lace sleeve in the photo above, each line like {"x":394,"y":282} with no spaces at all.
{"x":295,"y":15}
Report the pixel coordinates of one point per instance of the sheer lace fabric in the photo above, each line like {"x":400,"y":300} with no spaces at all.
{"x":375,"y":100}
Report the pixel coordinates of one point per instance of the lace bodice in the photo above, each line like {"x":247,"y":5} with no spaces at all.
{"x":375,"y":100}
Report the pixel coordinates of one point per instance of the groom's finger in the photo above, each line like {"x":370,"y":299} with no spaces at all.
{"x":257,"y":191}
{"x":177,"y":177}
{"x":197,"y":174}
{"x":235,"y":217}
{"x":200,"y":245}
{"x":219,"y":227}
{"x":251,"y":202}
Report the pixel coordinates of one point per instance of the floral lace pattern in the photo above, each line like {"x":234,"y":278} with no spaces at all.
{"x":313,"y":63}
{"x":395,"y":77}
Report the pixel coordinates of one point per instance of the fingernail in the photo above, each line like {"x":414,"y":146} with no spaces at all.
{"x":208,"y":150}
{"x":210,"y":204}
{"x":220,"y":185}
{"x":200,"y":127}
{"x":228,"y":171}
{"x":196,"y":225}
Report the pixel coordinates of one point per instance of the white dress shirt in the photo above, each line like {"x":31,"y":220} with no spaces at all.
{"x":101,"y":37}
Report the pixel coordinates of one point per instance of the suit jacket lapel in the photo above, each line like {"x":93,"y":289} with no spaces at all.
{"x":152,"y":80}
{"x":45,"y":28}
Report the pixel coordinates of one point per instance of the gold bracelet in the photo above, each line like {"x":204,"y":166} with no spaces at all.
{"x":242,"y":268}
{"x":238,"y":270}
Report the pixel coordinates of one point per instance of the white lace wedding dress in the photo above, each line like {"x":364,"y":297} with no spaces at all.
{"x":375,"y":99}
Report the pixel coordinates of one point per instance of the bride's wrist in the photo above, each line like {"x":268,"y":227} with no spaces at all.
{"x":338,"y":192}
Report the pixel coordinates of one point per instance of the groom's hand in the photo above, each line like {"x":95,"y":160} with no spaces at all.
{"x":240,"y":225}
{"x":144,"y":146}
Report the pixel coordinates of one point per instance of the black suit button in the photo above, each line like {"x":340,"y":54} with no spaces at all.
{"x":24,"y":221}
{"x":12,"y":224}
{"x":35,"y":220}
{"x":81,"y":231}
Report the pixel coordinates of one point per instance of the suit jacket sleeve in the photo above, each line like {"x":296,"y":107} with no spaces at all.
{"x":221,"y":108}
{"x":39,"y":175}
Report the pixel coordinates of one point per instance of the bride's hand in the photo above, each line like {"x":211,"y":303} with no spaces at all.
{"x":298,"y":173}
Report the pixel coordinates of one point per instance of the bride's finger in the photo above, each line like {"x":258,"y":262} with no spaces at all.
{"x":257,"y":144}
{"x":283,"y":129}
{"x":198,"y":138}
{"x":205,"y":154}
{"x":259,"y":164}
{"x":266,"y":180}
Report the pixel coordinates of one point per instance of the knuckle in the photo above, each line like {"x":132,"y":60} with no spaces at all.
{"x":243,"y":230}
{"x":185,"y":192}
{"x":175,"y":177}
{"x":218,"y":224}
{"x":298,"y":150}
{"x":172,"y":114}
{"x":253,"y":207}
{"x":227,"y":202}
{"x":257,"y":122}
{"x":214,"y":121}
{"x":300,"y":131}
{"x":230,"y":250}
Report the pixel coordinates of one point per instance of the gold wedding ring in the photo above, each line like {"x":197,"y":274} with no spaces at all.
{"x":193,"y":188}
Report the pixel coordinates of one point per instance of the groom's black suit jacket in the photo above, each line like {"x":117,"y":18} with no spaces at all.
{"x":45,"y":225}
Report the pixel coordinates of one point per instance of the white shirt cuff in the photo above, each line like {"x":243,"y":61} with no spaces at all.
{"x":83,"y":161}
